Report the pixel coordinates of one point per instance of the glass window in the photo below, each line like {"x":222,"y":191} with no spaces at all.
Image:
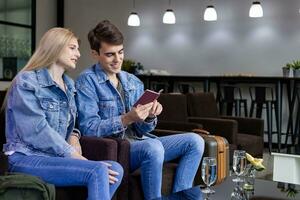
{"x":16,"y":11}
{"x":16,"y":35}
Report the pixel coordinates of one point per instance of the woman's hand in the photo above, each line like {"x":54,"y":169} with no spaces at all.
{"x":111,"y":173}
{"x":74,"y":142}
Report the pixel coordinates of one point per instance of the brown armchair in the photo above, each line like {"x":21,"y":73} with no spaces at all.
{"x":175,"y":114}
{"x":244,"y":133}
{"x":98,"y":149}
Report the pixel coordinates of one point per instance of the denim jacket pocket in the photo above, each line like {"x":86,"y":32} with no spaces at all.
{"x":49,"y":104}
{"x":51,"y":108}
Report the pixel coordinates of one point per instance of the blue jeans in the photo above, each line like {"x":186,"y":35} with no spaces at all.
{"x":150,"y":154}
{"x":62,"y":171}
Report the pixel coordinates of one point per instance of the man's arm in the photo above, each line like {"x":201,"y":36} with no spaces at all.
{"x":89,"y":121}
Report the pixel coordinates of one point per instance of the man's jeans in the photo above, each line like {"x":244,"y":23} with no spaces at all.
{"x":150,"y":154}
{"x":69,"y":172}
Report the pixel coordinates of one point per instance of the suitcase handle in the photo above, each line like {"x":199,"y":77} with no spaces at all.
{"x":202,"y":131}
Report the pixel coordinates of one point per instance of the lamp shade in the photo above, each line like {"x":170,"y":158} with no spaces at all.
{"x":256,"y":10}
{"x":133,"y":19}
{"x":210,"y":14}
{"x":169,"y":17}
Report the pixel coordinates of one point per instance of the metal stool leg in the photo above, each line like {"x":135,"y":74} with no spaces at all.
{"x":269,"y":124}
{"x":251,"y":109}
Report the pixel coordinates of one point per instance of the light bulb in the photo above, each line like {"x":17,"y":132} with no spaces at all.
{"x":169,"y":17}
{"x":210,"y":14}
{"x":256,"y":10}
{"x":133,"y":19}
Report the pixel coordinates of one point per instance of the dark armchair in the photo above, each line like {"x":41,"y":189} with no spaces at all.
{"x":244,"y":133}
{"x":98,"y":149}
{"x":175,"y":114}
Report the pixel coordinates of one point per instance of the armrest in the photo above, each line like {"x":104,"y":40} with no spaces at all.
{"x":217,"y":126}
{"x":3,"y":163}
{"x":178,"y":126}
{"x":124,"y":160}
{"x":248,"y":125}
{"x":165,"y":132}
{"x":94,"y":148}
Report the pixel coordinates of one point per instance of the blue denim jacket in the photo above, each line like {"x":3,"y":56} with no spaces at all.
{"x":100,"y":105}
{"x":39,"y":115}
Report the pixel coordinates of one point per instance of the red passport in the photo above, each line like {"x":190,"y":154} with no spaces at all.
{"x":147,"y":97}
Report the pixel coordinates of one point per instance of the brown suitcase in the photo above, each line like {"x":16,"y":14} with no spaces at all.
{"x":218,"y":147}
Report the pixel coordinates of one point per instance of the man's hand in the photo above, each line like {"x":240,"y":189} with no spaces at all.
{"x":76,"y":155}
{"x":156,"y":109}
{"x":74,"y":142}
{"x":111,"y":173}
{"x":140,"y":113}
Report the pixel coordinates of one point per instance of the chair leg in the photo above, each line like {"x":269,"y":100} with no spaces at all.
{"x":251,"y":109}
{"x":269,"y":125}
{"x":297,"y":123}
{"x":245,"y":108}
{"x":259,"y":107}
{"x":277,"y":124}
{"x":229,"y":108}
{"x":237,"y":108}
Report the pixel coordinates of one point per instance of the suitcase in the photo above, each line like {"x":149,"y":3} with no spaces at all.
{"x":218,"y":147}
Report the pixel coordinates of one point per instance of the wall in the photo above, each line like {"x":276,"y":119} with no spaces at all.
{"x":45,"y":17}
{"x":233,"y":44}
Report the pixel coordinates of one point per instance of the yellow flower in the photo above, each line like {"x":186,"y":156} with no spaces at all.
{"x":256,"y":162}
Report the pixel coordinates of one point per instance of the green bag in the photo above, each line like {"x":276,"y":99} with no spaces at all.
{"x":25,"y":187}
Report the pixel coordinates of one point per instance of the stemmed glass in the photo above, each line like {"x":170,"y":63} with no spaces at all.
{"x":209,"y":174}
{"x":239,"y":164}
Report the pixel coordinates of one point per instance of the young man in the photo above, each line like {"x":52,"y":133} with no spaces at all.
{"x":105,"y":99}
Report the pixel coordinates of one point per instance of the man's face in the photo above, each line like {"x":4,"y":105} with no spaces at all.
{"x":110,"y":57}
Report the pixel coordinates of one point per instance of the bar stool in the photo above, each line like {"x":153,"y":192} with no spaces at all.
{"x":231,"y":96}
{"x":296,"y":133}
{"x":185,"y":88}
{"x":259,"y":100}
{"x":157,"y":86}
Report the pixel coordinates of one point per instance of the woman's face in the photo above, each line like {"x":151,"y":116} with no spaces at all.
{"x":69,"y":55}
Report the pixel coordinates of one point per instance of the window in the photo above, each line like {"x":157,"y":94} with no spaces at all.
{"x":17,"y":35}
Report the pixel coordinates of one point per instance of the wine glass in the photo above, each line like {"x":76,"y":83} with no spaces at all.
{"x":209,"y":173}
{"x":238,"y":194}
{"x":239,"y":164}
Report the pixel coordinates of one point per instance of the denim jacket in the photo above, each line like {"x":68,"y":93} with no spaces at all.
{"x":100,"y":105}
{"x":39,"y":115}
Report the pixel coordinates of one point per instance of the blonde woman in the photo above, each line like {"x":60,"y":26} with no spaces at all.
{"x":40,"y":118}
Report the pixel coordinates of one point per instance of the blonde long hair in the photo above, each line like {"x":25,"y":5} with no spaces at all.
{"x":48,"y":51}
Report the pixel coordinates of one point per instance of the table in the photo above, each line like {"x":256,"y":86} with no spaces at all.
{"x":263,"y":190}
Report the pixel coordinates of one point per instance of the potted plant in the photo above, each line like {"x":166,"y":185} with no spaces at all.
{"x":286,"y":69}
{"x":296,"y":68}
{"x":129,"y":65}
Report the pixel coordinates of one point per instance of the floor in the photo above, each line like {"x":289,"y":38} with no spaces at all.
{"x":268,"y":163}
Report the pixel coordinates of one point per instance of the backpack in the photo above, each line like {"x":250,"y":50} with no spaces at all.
{"x":16,"y":186}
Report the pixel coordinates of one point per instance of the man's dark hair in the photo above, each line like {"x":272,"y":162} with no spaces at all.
{"x":104,"y":32}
